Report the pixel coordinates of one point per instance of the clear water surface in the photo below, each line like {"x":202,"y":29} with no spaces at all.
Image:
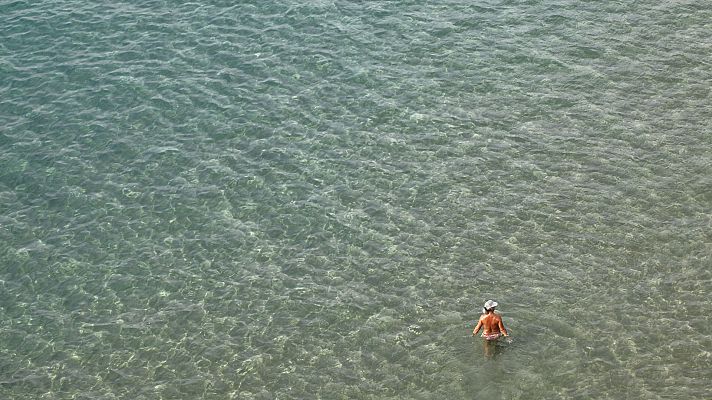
{"x":312,"y":199}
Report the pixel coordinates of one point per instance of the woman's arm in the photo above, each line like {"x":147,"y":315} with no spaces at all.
{"x":477,"y":328}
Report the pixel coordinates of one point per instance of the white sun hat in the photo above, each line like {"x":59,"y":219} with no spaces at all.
{"x":490,"y":304}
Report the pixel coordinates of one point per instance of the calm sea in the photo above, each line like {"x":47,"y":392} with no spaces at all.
{"x":313,"y":199}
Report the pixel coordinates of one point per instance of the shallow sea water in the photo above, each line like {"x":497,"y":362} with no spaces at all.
{"x":291,"y":200}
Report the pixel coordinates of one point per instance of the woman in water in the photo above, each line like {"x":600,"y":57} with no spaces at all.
{"x":491,"y":322}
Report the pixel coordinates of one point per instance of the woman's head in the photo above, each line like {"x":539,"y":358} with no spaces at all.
{"x":489,"y":306}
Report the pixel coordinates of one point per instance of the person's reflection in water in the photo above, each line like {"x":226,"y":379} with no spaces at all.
{"x":490,"y":349}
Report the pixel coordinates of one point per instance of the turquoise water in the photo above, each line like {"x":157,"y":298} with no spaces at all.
{"x":294,"y":200}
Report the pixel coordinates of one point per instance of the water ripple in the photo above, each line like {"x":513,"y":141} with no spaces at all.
{"x":305,"y":199}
